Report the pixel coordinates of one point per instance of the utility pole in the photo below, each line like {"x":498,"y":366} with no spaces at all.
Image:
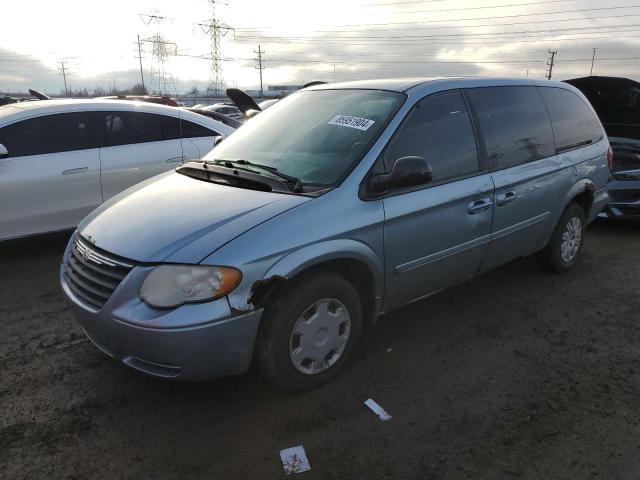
{"x":259,"y":67}
{"x":551,"y":62}
{"x":64,"y":75}
{"x":161,"y":81}
{"x":527,"y":72}
{"x":593,"y":59}
{"x":216,"y":30}
{"x":334,"y":73}
{"x":140,"y":58}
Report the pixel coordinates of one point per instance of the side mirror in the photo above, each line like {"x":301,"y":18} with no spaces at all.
{"x":218,"y":139}
{"x":4,"y":153}
{"x":406,"y":172}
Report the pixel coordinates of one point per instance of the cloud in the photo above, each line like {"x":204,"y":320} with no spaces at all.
{"x":414,"y":45}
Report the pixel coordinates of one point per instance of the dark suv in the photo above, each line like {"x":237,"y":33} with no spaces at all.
{"x":617,"y":103}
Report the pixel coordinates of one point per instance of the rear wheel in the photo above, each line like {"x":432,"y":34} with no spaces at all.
{"x":309,"y":331}
{"x":565,"y":247}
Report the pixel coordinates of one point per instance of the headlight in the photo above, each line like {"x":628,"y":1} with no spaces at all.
{"x":172,"y":285}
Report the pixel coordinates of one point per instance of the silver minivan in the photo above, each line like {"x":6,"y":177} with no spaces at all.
{"x":336,"y":205}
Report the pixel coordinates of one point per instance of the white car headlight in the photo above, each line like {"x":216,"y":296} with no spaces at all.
{"x":173,"y":285}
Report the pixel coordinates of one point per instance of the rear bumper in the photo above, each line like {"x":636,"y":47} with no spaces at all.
{"x":192,"y":342}
{"x":600,"y":200}
{"x":624,"y":202}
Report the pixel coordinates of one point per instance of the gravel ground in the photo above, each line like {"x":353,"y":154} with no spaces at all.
{"x":519,"y":374}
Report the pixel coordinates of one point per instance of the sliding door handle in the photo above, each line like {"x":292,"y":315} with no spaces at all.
{"x":71,"y":171}
{"x":506,"y":197}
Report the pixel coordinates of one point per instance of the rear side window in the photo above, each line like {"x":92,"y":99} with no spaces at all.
{"x":193,"y":130}
{"x":125,"y":128}
{"x":439,"y":130}
{"x":574,"y":123}
{"x":63,"y":132}
{"x":515,"y":125}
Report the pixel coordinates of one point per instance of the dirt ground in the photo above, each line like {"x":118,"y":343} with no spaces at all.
{"x":519,"y":374}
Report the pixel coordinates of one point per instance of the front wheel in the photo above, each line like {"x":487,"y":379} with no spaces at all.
{"x":309,"y":331}
{"x":565,"y":246}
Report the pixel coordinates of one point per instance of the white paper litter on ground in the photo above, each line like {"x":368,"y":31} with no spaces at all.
{"x":294,"y":460}
{"x":378,"y":410}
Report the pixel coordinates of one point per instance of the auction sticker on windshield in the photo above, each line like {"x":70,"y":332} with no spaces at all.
{"x":351,"y":122}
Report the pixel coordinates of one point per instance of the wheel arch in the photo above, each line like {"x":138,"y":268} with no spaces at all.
{"x":353,"y":260}
{"x":582,"y":192}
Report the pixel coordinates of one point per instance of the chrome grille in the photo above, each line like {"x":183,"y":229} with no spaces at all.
{"x":92,"y":274}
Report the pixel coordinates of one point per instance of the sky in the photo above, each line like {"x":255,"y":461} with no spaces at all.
{"x":305,"y":41}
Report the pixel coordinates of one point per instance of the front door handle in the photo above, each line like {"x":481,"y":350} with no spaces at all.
{"x":174,"y":160}
{"x":71,"y":171}
{"x":479,"y":206}
{"x":506,"y":197}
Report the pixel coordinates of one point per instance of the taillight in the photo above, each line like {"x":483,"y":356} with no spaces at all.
{"x":610,"y":158}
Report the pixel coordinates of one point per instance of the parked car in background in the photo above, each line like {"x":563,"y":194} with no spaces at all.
{"x":59,"y":159}
{"x":231,"y":122}
{"x":244,"y":102}
{"x":228,"y":110}
{"x":159,"y":99}
{"x":7,"y":100}
{"x":268,"y":103}
{"x":344,"y":202}
{"x":617,"y":103}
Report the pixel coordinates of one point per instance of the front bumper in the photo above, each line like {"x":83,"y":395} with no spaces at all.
{"x":624,"y":200}
{"x":193,"y":342}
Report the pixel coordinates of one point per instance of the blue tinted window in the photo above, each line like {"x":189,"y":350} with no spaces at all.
{"x":515,"y":124}
{"x":439,"y":130}
{"x":574,"y":123}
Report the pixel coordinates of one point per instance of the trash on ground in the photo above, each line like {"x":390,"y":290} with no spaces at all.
{"x":378,"y":410}
{"x":294,"y":460}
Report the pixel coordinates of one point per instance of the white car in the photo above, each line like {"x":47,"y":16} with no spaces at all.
{"x":60,"y":159}
{"x":228,"y":110}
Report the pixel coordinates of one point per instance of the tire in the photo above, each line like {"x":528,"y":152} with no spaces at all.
{"x":277,"y":341}
{"x":553,"y":258}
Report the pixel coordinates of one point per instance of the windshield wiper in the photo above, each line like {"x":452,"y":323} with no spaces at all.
{"x":297,"y":183}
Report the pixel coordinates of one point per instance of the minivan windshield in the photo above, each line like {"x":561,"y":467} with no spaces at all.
{"x":316,"y":136}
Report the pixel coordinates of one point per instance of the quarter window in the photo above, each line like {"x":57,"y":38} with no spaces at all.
{"x":63,"y":132}
{"x":193,"y":130}
{"x":174,"y":128}
{"x":515,"y":124}
{"x":439,"y":130}
{"x":574,"y":123}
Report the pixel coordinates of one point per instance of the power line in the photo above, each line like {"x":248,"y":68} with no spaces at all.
{"x":443,"y":62}
{"x":568,"y":31}
{"x":415,"y":27}
{"x":399,"y":3}
{"x":486,"y":18}
{"x":483,"y":7}
{"x":358,"y":43}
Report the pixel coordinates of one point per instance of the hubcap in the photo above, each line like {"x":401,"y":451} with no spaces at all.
{"x":320,"y":336}
{"x":571,"y":239}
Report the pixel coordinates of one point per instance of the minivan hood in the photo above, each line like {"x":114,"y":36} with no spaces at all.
{"x":616,"y":100}
{"x":175,"y":218}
